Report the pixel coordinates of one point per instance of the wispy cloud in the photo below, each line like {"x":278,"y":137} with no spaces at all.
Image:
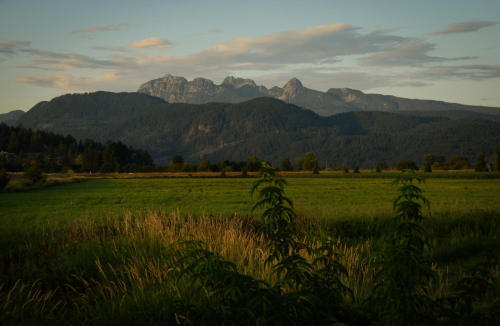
{"x":336,"y":55}
{"x":69,"y":82}
{"x":94,"y":29}
{"x":152,"y":42}
{"x":214,"y":30}
{"x":471,"y":72}
{"x":466,"y":27}
{"x":411,"y":54}
{"x":12,"y":46}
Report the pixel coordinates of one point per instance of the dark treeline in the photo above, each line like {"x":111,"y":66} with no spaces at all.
{"x":21,"y":148}
{"x":309,"y":162}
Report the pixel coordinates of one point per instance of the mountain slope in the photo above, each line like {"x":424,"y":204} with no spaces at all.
{"x":88,"y":115}
{"x":336,"y":100}
{"x":11,"y":117}
{"x":266,"y":127}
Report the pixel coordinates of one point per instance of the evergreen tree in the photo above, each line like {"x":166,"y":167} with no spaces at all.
{"x":428,"y":167}
{"x":286,"y":165}
{"x":380,"y":166}
{"x":481,"y":164}
{"x":496,"y":160}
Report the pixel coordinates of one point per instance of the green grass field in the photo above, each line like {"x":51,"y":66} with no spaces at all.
{"x":316,"y":197}
{"x":96,"y":251}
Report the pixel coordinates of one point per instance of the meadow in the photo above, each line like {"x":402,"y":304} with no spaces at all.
{"x":100,"y":251}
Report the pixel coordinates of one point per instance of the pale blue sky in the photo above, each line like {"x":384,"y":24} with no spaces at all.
{"x":443,"y":50}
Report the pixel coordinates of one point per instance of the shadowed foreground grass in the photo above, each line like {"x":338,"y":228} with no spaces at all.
{"x":120,"y":270}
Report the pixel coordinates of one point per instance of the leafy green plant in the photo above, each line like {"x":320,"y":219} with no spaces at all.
{"x":401,"y":296}
{"x":307,"y":291}
{"x":476,"y":299}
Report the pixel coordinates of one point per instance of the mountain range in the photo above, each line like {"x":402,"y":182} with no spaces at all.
{"x":175,"y":89}
{"x":266,"y":127}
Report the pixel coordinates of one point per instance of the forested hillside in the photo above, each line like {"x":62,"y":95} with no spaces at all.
{"x":21,"y":148}
{"x":267,"y":128}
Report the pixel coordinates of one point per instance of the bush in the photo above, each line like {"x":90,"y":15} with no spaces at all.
{"x":35,"y":174}
{"x":4,"y":178}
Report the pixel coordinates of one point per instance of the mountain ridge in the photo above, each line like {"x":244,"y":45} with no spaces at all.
{"x":176,"y":89}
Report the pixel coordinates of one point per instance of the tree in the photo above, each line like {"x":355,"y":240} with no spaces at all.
{"x":496,"y":160}
{"x":356,"y":169}
{"x":480,"y":163}
{"x":310,"y":162}
{"x":176,"y":163}
{"x":4,"y":178}
{"x":456,"y":163}
{"x":253,"y":163}
{"x":428,"y":167}
{"x":299,"y":163}
{"x":406,"y":165}
{"x":380,"y":166}
{"x":430,"y":159}
{"x":286,"y":165}
{"x":203,"y":166}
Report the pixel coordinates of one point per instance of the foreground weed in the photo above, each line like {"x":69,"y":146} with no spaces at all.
{"x":401,"y":296}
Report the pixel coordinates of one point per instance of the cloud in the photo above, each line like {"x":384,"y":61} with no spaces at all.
{"x":336,"y":55}
{"x":302,"y":46}
{"x":214,"y":30}
{"x":94,"y":29}
{"x":10,"y":47}
{"x":152,"y":42}
{"x":68,"y":82}
{"x":110,"y":48}
{"x":49,"y":60}
{"x":411,"y":54}
{"x":470,"y":72}
{"x":466,"y":27}
{"x":323,"y":44}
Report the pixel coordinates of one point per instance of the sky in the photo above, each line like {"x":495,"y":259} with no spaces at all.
{"x":442,"y":50}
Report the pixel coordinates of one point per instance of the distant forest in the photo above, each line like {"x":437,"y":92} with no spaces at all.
{"x":21,"y":148}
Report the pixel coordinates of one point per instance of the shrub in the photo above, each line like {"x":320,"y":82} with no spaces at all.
{"x":35,"y":174}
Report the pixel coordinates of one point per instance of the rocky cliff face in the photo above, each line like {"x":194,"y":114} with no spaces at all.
{"x":336,"y":100}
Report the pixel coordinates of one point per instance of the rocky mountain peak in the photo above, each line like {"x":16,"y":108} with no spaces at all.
{"x":238,"y":82}
{"x":202,"y":82}
{"x":172,"y":78}
{"x":293,"y":84}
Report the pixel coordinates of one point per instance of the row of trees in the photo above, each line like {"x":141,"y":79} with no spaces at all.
{"x":177,"y":164}
{"x":21,"y":148}
{"x":309,"y":162}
